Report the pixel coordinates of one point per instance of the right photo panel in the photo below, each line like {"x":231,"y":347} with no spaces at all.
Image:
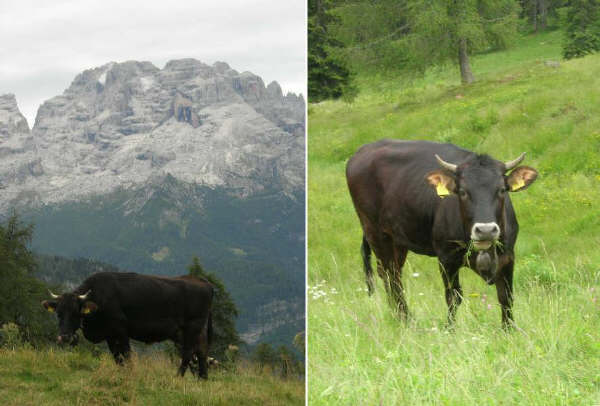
{"x":453,"y":215}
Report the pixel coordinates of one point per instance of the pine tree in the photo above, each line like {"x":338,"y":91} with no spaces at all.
{"x":583,"y":29}
{"x":452,"y":30}
{"x":328,"y":75}
{"x":224,"y":312}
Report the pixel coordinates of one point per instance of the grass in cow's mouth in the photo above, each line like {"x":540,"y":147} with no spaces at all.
{"x":470,"y":246}
{"x":470,"y":249}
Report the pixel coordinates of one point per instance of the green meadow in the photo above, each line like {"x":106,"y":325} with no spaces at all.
{"x":359,"y":354}
{"x":57,"y":377}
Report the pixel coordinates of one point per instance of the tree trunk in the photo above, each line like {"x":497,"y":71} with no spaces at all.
{"x":543,"y":8}
{"x":466,"y":75}
{"x":534,"y":13}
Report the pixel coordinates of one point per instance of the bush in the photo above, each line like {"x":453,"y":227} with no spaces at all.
{"x":10,"y":336}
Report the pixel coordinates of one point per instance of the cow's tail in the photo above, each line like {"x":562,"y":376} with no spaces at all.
{"x":365,"y":251}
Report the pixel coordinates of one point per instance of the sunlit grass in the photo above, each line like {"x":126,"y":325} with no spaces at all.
{"x":358,"y":352}
{"x":55,"y":377}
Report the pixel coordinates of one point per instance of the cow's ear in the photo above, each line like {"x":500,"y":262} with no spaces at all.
{"x":442,"y":181}
{"x":49,"y":305}
{"x":88,"y":307}
{"x":520,"y":178}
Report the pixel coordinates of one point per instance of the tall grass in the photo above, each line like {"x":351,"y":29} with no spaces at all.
{"x":55,"y":377}
{"x":358,"y":352}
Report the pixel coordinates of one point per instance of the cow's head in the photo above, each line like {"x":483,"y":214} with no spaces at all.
{"x":70,"y":308}
{"x":481,"y":184}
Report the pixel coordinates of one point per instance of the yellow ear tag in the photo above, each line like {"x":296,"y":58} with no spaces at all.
{"x":86,"y":310}
{"x":50,"y":309}
{"x":441,"y":190}
{"x":518,"y":185}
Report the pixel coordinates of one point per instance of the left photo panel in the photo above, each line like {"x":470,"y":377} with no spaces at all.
{"x":152,"y":202}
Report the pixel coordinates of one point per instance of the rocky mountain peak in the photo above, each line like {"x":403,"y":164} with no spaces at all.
{"x":119,"y":124}
{"x":274,"y":90}
{"x":12,"y":122}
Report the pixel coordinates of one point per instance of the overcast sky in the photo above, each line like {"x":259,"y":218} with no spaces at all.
{"x":44,"y":44}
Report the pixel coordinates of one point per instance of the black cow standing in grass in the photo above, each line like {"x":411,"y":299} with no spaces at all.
{"x":437,"y":200}
{"x":115,"y":307}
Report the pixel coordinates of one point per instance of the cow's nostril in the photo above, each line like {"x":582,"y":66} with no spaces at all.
{"x":485,"y":231}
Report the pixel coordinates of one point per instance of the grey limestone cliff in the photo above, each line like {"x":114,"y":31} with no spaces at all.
{"x":123,"y":124}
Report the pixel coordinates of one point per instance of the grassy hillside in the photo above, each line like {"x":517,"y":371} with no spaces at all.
{"x":58,"y":377}
{"x":358,"y":353}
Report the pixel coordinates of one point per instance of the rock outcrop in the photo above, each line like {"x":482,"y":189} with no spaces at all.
{"x":18,"y":160}
{"x":12,"y":122}
{"x":121,"y":124}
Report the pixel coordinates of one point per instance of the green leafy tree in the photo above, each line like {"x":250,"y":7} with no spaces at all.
{"x":264,"y":355}
{"x":20,"y":292}
{"x":452,"y":30}
{"x":583,"y":29}
{"x":328,"y":74}
{"x":224,"y":312}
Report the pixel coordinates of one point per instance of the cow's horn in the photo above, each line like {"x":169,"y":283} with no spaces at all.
{"x":53,"y":295}
{"x":444,"y":164}
{"x":511,"y":164}
{"x":83,"y":297}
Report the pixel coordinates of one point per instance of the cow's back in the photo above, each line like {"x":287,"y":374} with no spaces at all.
{"x":387,"y":183}
{"x":137,"y":297}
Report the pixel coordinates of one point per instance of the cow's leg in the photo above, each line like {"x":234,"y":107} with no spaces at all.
{"x":365,"y":251}
{"x":125,"y":348}
{"x":202,"y":351}
{"x":504,"y":288}
{"x":188,"y":348}
{"x":120,"y":348}
{"x":384,"y":253}
{"x":115,"y":349}
{"x":395,"y":281}
{"x":186,"y":357}
{"x":452,"y":288}
{"x":390,"y":260}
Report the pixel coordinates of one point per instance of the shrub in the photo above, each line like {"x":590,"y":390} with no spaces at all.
{"x":10,"y":336}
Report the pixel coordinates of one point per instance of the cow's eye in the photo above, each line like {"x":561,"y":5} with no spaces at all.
{"x":501,"y":191}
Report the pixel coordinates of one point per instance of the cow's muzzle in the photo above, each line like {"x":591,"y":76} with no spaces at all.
{"x":485,"y":233}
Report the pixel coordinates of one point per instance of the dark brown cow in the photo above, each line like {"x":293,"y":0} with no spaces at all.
{"x":115,"y":307}
{"x":437,"y":200}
